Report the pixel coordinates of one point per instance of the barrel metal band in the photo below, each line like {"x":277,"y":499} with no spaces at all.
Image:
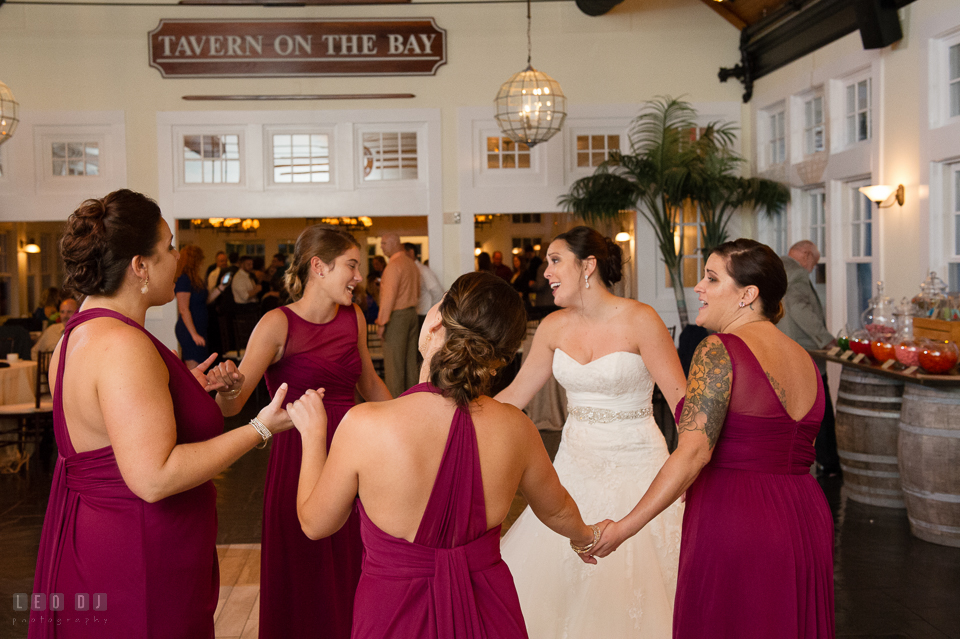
{"x":870,"y":473}
{"x":927,"y":399}
{"x":930,"y":432}
{"x":925,"y":494}
{"x":882,"y":414}
{"x":942,"y":529}
{"x":871,"y":459}
{"x":869,"y":398}
{"x":605,"y":415}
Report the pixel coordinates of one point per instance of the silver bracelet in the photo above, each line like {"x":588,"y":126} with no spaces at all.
{"x":262,"y":430}
{"x":230,"y":394}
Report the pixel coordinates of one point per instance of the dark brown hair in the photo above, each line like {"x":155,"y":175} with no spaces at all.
{"x":315,"y":241}
{"x":485,"y":323}
{"x":751,"y":263}
{"x":103,"y":236}
{"x":584,"y":241}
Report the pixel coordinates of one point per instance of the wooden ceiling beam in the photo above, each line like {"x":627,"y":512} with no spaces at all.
{"x":726,"y":13}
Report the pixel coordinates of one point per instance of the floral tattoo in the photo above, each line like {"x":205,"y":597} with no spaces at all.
{"x":708,"y":390}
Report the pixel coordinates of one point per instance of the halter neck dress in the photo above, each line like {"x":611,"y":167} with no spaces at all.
{"x":450,"y":582}
{"x":146,"y":570}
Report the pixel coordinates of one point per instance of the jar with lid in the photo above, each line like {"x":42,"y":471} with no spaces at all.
{"x":907,"y":349}
{"x":932,"y":296}
{"x":878,"y":319}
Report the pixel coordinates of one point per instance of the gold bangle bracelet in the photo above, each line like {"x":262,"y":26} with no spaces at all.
{"x":582,"y":550}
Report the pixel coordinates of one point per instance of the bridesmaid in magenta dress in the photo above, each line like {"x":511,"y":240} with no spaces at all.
{"x":436,"y":471}
{"x":756,"y":555}
{"x":320,"y":340}
{"x":131,"y":522}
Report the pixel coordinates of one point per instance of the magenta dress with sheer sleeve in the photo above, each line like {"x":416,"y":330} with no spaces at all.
{"x":307,"y":586}
{"x":155,"y":563}
{"x":450,"y":582}
{"x":756,"y":556}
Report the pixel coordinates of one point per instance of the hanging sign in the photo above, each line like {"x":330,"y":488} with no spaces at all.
{"x":283,"y":48}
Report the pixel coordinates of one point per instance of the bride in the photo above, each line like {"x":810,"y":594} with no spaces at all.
{"x":607,"y":352}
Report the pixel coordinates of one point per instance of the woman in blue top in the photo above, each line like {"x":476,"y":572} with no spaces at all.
{"x":192,"y":300}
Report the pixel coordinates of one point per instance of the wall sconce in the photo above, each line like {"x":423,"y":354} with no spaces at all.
{"x":30,"y":247}
{"x":622,"y":236}
{"x":883,"y":195}
{"x":477,"y":251}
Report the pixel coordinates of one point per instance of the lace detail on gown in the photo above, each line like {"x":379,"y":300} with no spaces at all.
{"x":606,"y":467}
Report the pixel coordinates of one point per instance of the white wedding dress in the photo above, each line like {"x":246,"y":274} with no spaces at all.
{"x":609,"y":454}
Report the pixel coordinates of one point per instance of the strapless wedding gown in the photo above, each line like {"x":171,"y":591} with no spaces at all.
{"x":610,"y":452}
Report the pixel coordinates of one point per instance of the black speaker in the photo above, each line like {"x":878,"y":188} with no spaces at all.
{"x":595,"y":8}
{"x":879,"y":23}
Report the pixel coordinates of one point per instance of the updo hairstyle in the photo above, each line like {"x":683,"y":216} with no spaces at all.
{"x":584,"y":241}
{"x":103,"y":236}
{"x":485,"y":323}
{"x":315,"y":241}
{"x":751,"y":263}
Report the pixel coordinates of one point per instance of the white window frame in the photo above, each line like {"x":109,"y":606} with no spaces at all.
{"x":389,"y":127}
{"x":812,"y":99}
{"x":500,"y":154}
{"x":178,"y":160}
{"x":815,"y":218}
{"x":334,"y":160}
{"x":852,"y":195}
{"x":952,"y":201}
{"x":940,"y":78}
{"x":606,"y":135}
{"x":45,"y":136}
{"x":854,"y":83}
{"x":769,"y":139}
{"x":861,"y":224}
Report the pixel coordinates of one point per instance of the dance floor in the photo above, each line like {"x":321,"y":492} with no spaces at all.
{"x":889,"y":585}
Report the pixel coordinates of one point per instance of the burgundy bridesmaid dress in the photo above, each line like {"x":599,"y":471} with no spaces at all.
{"x":306,"y":586}
{"x":756,"y":555}
{"x":156,"y":563}
{"x":450,"y":583}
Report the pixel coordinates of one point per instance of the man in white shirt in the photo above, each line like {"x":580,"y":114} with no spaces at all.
{"x":244,"y":287}
{"x":431,"y":290}
{"x":51,"y":335}
{"x":213,"y":277}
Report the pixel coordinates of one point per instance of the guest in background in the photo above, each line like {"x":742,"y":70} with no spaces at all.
{"x":431,"y":290}
{"x":518,"y":277}
{"x":132,"y":509}
{"x":320,"y":339}
{"x":47,"y":311}
{"x":397,"y":320}
{"x":51,"y":334}
{"x":192,"y":300}
{"x":484,"y":263}
{"x":804,"y":321}
{"x":215,"y":270}
{"x":500,"y":269}
{"x":244,"y":284}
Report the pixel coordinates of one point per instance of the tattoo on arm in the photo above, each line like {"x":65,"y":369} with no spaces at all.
{"x":781,"y":393}
{"x":708,"y":391}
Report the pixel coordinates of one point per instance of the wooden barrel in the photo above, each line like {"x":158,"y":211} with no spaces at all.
{"x":868,"y":418}
{"x":929,"y":455}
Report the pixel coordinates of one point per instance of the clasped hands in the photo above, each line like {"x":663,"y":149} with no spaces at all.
{"x":611,"y":536}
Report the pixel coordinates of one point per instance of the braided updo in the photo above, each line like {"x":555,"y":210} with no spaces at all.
{"x":103,"y":235}
{"x":584,"y":241}
{"x":315,"y":241}
{"x":485,"y":322}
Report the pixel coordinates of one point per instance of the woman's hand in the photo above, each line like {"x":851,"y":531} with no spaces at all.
{"x":199,"y":373}
{"x":225,"y":377}
{"x":198,"y":339}
{"x":588,"y":557}
{"x":273,"y":416}
{"x":308,"y":414}
{"x":612,"y":535}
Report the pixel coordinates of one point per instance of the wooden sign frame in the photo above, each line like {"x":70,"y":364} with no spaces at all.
{"x":296,"y":48}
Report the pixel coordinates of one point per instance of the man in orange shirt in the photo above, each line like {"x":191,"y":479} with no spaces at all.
{"x":397,"y":321}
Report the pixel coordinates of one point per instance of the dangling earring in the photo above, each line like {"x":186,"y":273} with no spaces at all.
{"x":586,"y":278}
{"x":143,"y":286}
{"x":742,"y":304}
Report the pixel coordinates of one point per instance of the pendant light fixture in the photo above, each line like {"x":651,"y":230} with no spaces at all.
{"x":8,"y":113}
{"x":530,"y":105}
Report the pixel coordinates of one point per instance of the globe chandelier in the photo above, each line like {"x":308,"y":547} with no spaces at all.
{"x":8,"y":113}
{"x":530,"y":105}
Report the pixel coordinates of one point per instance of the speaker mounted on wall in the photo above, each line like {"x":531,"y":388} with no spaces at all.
{"x":879,"y":23}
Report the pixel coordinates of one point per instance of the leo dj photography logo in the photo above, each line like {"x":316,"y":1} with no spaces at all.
{"x":81,"y":608}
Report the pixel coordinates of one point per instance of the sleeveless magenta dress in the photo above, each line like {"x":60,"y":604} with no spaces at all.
{"x":306,"y":586}
{"x":756,"y":555}
{"x":156,"y":563}
{"x":450,"y":583}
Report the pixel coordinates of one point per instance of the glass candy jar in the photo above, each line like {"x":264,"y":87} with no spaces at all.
{"x":883,"y":347}
{"x":843,"y":339}
{"x":878,"y":319}
{"x":932,"y":296}
{"x":860,"y":343}
{"x":938,"y":356}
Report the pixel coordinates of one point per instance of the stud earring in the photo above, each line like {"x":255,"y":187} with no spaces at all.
{"x":143,"y":286}
{"x":742,"y":304}
{"x":586,"y":278}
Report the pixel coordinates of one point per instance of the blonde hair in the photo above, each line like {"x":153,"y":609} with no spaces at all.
{"x":315,"y":241}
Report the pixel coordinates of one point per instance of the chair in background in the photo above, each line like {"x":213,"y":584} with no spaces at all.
{"x":29,"y":323}
{"x":6,"y":346}
{"x":34,"y":420}
{"x":375,"y":347}
{"x":21,"y":339}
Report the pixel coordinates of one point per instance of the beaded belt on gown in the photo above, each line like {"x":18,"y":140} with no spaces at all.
{"x":605,"y":415}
